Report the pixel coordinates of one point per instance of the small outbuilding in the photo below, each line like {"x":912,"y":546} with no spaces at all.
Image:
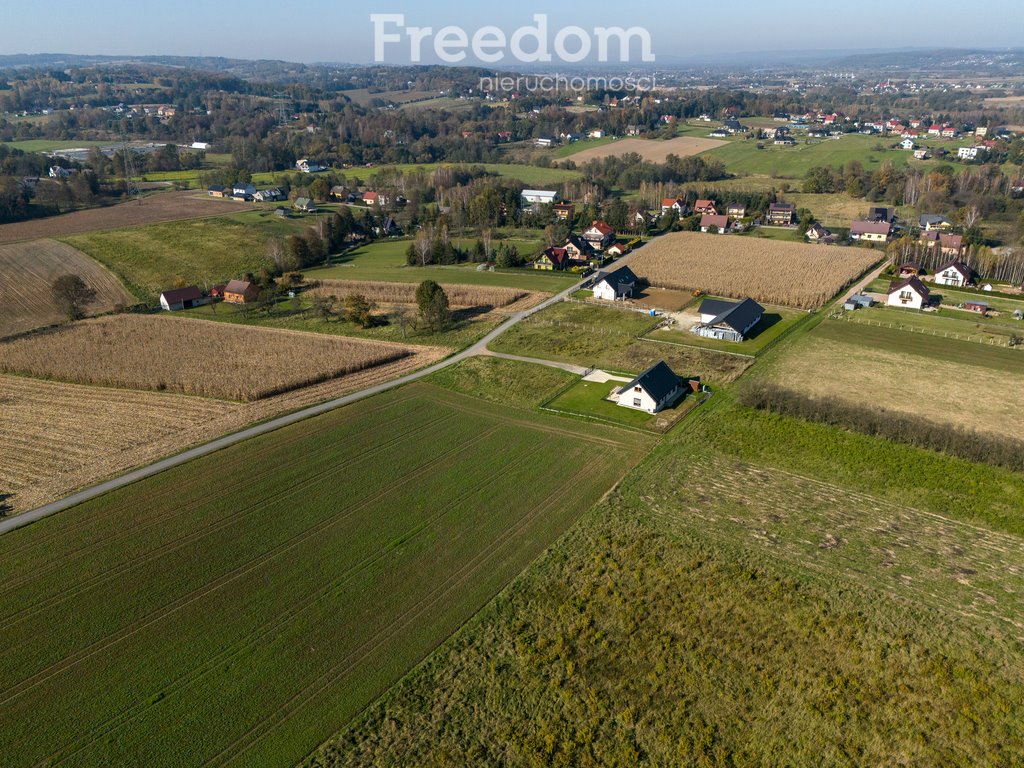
{"x":181,"y":298}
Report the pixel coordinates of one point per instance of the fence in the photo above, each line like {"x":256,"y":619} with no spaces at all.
{"x":982,"y":339}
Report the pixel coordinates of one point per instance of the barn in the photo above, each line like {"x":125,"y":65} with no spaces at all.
{"x":181,"y":298}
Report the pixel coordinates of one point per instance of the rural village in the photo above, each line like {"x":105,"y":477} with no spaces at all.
{"x":365,"y":415}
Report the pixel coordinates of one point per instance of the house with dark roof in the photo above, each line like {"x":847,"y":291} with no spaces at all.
{"x":728,"y":320}
{"x":181,"y":298}
{"x":932,"y":221}
{"x":579,"y":251}
{"x":818,"y":234}
{"x":910,"y":293}
{"x":954,"y":273}
{"x":304,"y":204}
{"x":781,"y":214}
{"x":615,"y":285}
{"x":653,"y":390}
{"x":882,"y":213}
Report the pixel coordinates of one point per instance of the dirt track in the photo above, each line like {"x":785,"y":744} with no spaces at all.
{"x":165,"y":206}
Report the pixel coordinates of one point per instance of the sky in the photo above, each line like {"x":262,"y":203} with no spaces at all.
{"x":341,"y":30}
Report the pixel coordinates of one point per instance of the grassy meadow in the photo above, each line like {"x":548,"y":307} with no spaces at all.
{"x":240,"y":608}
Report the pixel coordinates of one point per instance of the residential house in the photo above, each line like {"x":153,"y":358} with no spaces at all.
{"x":304,"y":205}
{"x":215,"y":191}
{"x":736,"y":211}
{"x":58,"y":172}
{"x":981,"y":131}
{"x":910,"y":293}
{"x":271,"y":195}
{"x":241,"y":292}
{"x":243,"y":191}
{"x":375,"y":198}
{"x":181,"y":298}
{"x":564,"y":211}
{"x":616,"y":249}
{"x":728,"y":320}
{"x":971,"y":153}
{"x":340,"y":192}
{"x":949,"y":132}
{"x":616,"y":285}
{"x":599,"y":235}
{"x":544,"y":143}
{"x":675,"y":204}
{"x":308,"y":166}
{"x":533,"y":197}
{"x":908,"y":144}
{"x":882,"y":213}
{"x":921,"y":154}
{"x":932,"y":221}
{"x":597,"y":133}
{"x":818,"y":234}
{"x":552,"y":259}
{"x":935,"y":130}
{"x":951,"y":245}
{"x":733,"y":126}
{"x":578,"y":250}
{"x":387,"y":228}
{"x":708,"y":207}
{"x":653,"y":390}
{"x":782,"y":214}
{"x":720,"y":223}
{"x":784,"y":141}
{"x":871,"y":231}
{"x":954,"y":273}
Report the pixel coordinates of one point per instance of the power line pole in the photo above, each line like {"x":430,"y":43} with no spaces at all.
{"x":131,"y":188}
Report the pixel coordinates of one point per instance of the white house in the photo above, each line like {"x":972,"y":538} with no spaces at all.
{"x":908,"y":144}
{"x":970,"y":153}
{"x":954,"y":273}
{"x":676,"y":204}
{"x":244,"y":191}
{"x":612,"y":286}
{"x":656,"y":388}
{"x":201,"y":145}
{"x":539,"y":197}
{"x":57,"y":172}
{"x":308,"y":166}
{"x":728,"y":320}
{"x":909,"y":294}
{"x":597,"y":133}
{"x":181,"y":298}
{"x":271,"y":195}
{"x":720,"y":223}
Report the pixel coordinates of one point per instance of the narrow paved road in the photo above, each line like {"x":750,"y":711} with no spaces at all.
{"x":860,"y":286}
{"x":479,"y":348}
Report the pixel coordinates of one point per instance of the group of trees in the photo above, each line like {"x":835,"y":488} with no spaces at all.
{"x":433,"y":245}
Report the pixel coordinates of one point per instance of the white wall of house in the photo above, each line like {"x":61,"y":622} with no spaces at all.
{"x":950,"y":277}
{"x":639,"y":399}
{"x":907,"y":298}
{"x":605,"y":291}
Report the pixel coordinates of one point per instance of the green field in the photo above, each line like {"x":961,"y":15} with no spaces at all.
{"x":50,"y":145}
{"x":386,"y":261}
{"x":776,"y":322}
{"x":238,"y":609}
{"x":509,"y":382}
{"x":743,"y":157}
{"x":589,"y":399}
{"x":151,"y":259}
{"x":602,"y":337}
{"x":567,"y":150}
{"x":760,"y":591}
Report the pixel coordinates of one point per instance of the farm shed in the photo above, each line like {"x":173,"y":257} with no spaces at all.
{"x":973,"y":305}
{"x":728,"y":320}
{"x":240,"y":292}
{"x":181,"y":298}
{"x":858,"y":301}
{"x":615,"y":285}
{"x":653,"y":390}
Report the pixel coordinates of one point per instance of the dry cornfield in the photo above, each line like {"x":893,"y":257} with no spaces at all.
{"x":405,"y":293}
{"x":27,"y":270}
{"x":772,"y":271}
{"x":192,"y":357}
{"x":56,"y":438}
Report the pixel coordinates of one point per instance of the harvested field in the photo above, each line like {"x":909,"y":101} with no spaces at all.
{"x":405,"y":293}
{"x":904,"y":379}
{"x":57,"y":438}
{"x":28,"y":269}
{"x":192,"y":357}
{"x":648,"y":149}
{"x":772,"y":271}
{"x":165,"y":206}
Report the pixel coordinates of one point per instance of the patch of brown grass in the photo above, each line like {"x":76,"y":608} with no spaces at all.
{"x":771,"y":271}
{"x":649,"y":149}
{"x":27,"y":270}
{"x":193,"y":357}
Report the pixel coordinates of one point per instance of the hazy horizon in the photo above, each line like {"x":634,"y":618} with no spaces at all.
{"x":342,"y":32}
